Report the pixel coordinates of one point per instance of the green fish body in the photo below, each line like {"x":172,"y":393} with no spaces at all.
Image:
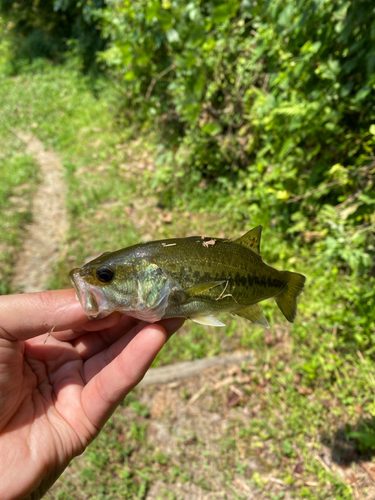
{"x":195,"y":277}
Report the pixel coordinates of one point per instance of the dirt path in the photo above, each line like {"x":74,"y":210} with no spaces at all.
{"x":46,"y":234}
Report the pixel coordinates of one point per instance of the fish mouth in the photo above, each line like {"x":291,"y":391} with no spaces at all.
{"x":92,"y":298}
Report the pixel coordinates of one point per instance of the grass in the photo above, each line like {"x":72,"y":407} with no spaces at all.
{"x":307,"y":385}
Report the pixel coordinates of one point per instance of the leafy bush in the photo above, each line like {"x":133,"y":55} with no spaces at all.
{"x":42,"y":28}
{"x":271,"y":106}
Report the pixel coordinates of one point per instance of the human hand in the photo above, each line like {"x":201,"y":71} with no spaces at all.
{"x":56,"y":396}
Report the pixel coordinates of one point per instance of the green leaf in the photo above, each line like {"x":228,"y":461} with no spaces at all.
{"x":130,"y":75}
{"x":211,"y":128}
{"x":221,"y":13}
{"x":287,"y":448}
{"x":282,"y":195}
{"x":311,"y":47}
{"x":165,"y":18}
{"x":362,"y":94}
{"x":172,"y":35}
{"x":209,"y":45}
{"x":196,"y":37}
{"x":152,"y":10}
{"x":369,"y":200}
{"x":286,"y":147}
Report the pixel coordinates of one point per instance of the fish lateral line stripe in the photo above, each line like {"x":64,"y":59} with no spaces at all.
{"x":239,"y":280}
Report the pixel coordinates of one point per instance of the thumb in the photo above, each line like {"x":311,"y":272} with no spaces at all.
{"x":28,"y":315}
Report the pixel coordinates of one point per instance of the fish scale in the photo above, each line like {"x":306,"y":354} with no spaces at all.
{"x":250,"y":280}
{"x":195,"y":277}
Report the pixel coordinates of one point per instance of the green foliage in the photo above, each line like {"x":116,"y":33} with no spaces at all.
{"x":41,"y":28}
{"x":268,"y":107}
{"x":364,"y":434}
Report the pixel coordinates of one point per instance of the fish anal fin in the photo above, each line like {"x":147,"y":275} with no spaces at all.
{"x":251,"y":239}
{"x":254,"y":313}
{"x":209,"y":320}
{"x":287,"y":298}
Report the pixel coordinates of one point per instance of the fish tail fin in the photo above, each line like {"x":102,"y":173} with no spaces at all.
{"x":287,"y":298}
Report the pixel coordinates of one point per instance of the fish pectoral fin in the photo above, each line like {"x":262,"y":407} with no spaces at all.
{"x":254,"y":313}
{"x":207,"y":320}
{"x":192,"y":291}
{"x":251,"y":239}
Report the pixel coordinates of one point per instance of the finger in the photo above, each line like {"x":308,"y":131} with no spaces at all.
{"x":90,"y":326}
{"x":101,"y":359}
{"x":90,"y":344}
{"x":105,"y":391}
{"x":30,"y":314}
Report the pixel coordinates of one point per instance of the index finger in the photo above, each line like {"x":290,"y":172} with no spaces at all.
{"x":28,"y":315}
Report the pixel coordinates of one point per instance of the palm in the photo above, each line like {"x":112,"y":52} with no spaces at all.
{"x":43,"y":428}
{"x":56,"y":396}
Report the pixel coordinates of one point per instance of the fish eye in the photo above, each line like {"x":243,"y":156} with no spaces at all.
{"x":104,"y":274}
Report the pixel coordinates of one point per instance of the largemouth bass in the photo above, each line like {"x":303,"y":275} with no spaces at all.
{"x":195,"y":277}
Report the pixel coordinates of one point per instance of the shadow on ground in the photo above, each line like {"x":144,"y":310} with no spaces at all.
{"x":353,"y":443}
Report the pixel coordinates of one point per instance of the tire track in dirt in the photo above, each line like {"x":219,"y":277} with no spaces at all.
{"x":45,"y":236}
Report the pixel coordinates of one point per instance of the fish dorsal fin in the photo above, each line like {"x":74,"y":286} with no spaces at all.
{"x":254,"y":313}
{"x":207,"y":320}
{"x":251,"y":239}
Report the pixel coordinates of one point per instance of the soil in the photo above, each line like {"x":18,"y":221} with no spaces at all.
{"x":194,"y":430}
{"x":45,"y":236}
